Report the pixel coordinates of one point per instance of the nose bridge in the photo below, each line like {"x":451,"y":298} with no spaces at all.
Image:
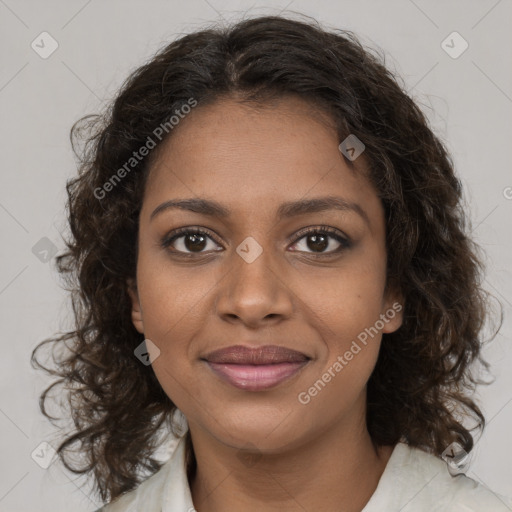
{"x":253,"y":289}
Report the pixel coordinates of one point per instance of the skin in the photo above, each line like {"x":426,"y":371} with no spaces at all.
{"x":265,"y":450}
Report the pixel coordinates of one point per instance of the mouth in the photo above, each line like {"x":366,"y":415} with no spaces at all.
{"x":256,"y":369}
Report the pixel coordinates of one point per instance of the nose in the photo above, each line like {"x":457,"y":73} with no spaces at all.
{"x":255,"y":294}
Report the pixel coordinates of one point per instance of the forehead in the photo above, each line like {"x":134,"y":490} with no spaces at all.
{"x":244,"y":157}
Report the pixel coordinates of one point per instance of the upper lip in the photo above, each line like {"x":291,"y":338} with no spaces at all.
{"x":268,"y":354}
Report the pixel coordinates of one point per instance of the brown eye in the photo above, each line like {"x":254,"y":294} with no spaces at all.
{"x":189,"y":241}
{"x":318,"y":240}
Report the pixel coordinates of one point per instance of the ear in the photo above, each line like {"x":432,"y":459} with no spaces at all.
{"x":131,"y":288}
{"x":393,"y":310}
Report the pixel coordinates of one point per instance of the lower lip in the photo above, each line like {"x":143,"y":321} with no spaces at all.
{"x":256,"y":377}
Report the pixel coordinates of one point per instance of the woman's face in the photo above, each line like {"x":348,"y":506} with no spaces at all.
{"x":258,"y":279}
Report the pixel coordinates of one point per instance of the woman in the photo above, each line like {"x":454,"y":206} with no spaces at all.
{"x":268,"y":239}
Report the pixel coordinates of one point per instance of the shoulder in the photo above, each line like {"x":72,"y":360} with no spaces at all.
{"x":166,"y":489}
{"x":415,"y":480}
{"x":148,"y":496}
{"x":459,"y":492}
{"x":149,"y":492}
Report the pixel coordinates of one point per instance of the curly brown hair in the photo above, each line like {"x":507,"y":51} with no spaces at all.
{"x":423,"y":377}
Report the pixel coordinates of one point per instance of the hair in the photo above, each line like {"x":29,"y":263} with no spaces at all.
{"x":424,"y":373}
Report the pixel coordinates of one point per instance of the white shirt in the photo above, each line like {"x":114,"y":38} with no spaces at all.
{"x":413,"y":481}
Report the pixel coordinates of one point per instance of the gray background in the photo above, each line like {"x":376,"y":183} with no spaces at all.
{"x":468,"y":100}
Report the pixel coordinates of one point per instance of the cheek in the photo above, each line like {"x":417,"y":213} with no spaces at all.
{"x":346,"y":318}
{"x":345,"y":309}
{"x":348,"y":300}
{"x":171,"y":297}
{"x":173,"y":301}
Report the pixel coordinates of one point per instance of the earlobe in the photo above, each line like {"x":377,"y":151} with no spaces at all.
{"x":393,"y":311}
{"x":131,"y":288}
{"x":394,"y":315}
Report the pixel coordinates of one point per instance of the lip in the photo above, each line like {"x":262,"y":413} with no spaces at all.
{"x":256,"y":369}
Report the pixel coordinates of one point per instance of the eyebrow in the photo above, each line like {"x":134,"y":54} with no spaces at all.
{"x":285,"y":210}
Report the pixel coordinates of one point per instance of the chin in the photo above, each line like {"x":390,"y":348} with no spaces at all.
{"x":263,"y":431}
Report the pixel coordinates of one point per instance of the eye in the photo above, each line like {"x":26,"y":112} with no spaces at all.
{"x":189,"y":241}
{"x":319,"y":239}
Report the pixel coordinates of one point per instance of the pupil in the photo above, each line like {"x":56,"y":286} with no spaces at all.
{"x":319,"y":242}
{"x":197,"y":242}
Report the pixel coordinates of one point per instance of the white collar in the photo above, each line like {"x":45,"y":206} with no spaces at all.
{"x":165,"y":491}
{"x":176,"y":496}
{"x":412,"y":480}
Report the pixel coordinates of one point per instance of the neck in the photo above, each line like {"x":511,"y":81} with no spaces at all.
{"x":337,"y":470}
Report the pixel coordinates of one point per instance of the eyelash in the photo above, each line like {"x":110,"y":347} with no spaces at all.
{"x":344,"y":242}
